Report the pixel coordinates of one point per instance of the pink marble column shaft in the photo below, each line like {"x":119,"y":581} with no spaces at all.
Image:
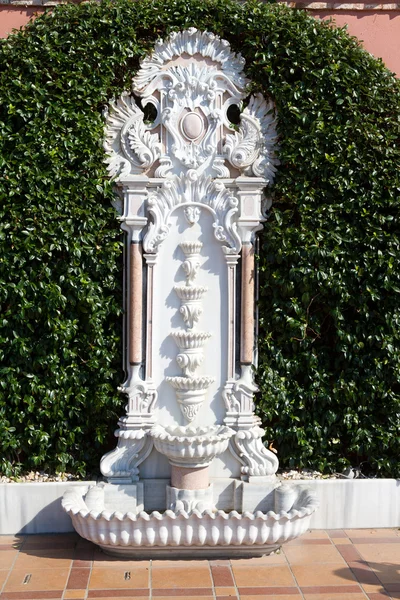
{"x":135,"y":304}
{"x":247,"y":317}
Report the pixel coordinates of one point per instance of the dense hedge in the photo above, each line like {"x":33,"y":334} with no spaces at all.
{"x":329,"y":298}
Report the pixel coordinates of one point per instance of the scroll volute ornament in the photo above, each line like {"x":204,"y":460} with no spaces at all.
{"x":130,"y":146}
{"x":252,"y":149}
{"x":191,"y":80}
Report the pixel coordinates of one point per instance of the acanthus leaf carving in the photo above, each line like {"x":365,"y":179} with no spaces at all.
{"x":191,"y":42}
{"x":189,"y":190}
{"x":190,"y":411}
{"x":256,"y":460}
{"x":247,"y":445}
{"x":129,"y":146}
{"x":189,"y":500}
{"x":252,"y":149}
{"x":192,"y":214}
{"x":220,"y":168}
{"x":191,"y":267}
{"x":122,"y":463}
{"x":191,"y":313}
{"x":141,"y":397}
{"x":189,"y":361}
{"x":144,"y":144}
{"x":239,"y":394}
{"x":164,"y":167}
{"x":134,"y":444}
{"x":191,"y":303}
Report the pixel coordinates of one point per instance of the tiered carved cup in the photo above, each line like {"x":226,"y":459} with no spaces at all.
{"x":191,"y":303}
{"x":190,"y":450}
{"x":190,"y":390}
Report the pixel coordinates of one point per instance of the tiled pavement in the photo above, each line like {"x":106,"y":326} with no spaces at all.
{"x":321,"y":565}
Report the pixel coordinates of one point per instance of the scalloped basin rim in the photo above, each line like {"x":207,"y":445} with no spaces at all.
{"x":191,"y":431}
{"x":181,"y":379}
{"x":192,"y":435}
{"x":310,"y":505}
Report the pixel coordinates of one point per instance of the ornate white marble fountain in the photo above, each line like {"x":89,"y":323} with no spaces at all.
{"x":190,"y":473}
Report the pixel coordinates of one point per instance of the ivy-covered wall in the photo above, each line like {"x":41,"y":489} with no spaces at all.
{"x":329,"y":343}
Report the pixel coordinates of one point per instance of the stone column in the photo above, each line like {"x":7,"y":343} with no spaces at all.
{"x":134,"y":444}
{"x":136,"y":304}
{"x":248,"y":309}
{"x":250,"y":192}
{"x":231,"y":260}
{"x":247,"y":444}
{"x":190,"y":489}
{"x":133,"y":221}
{"x":190,"y":478}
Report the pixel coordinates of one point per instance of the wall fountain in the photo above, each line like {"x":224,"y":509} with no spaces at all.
{"x":190,"y":473}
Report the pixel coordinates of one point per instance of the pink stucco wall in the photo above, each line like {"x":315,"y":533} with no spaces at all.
{"x":379,"y":30}
{"x":15,"y":17}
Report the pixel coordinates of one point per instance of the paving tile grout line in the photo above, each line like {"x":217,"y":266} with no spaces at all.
{"x":212,"y":580}
{"x":345,"y":536}
{"x":234,"y":580}
{"x":358,"y":564}
{"x":90,"y":576}
{"x":293,"y":575}
{"x":363,"y":541}
{"x":10,"y":569}
{"x":69,"y":572}
{"x":151,"y":579}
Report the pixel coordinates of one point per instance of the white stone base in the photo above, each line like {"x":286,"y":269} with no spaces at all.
{"x":132,"y":534}
{"x":189,"y":500}
{"x":126,"y":497}
{"x":34,"y":507}
{"x":357,"y":503}
{"x":188,"y":553}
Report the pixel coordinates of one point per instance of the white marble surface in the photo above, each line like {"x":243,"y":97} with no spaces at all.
{"x":368,"y":503}
{"x":34,"y":507}
{"x":356,"y":504}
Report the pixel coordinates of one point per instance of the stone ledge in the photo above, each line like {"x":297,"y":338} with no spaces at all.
{"x":359,"y":6}
{"x":344,"y":504}
{"x":341,"y":6}
{"x":42,"y":3}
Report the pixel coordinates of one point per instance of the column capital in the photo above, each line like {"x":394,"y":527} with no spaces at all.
{"x":134,"y":192}
{"x":250,"y":194}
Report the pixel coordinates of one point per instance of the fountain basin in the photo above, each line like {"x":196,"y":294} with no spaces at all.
{"x":193,"y":447}
{"x":180,"y":534}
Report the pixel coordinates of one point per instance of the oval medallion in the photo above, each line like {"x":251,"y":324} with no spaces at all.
{"x":192,"y":125}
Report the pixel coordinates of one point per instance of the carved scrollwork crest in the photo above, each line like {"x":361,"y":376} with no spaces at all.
{"x":252,"y":149}
{"x":130,"y":147}
{"x":190,"y":191}
{"x":192,"y":79}
{"x":191,"y":42}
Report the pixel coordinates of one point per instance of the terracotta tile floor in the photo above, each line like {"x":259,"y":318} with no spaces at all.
{"x":353,"y":564}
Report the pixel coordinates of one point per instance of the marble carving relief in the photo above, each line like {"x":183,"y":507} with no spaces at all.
{"x":193,"y":157}
{"x":191,"y":197}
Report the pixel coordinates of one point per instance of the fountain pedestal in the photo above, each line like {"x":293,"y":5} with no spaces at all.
{"x":190,"y":479}
{"x":190,"y":474}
